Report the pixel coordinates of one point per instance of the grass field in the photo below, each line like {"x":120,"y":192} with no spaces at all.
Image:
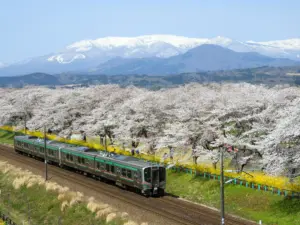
{"x":6,"y":137}
{"x":37,"y":205}
{"x":245,"y":202}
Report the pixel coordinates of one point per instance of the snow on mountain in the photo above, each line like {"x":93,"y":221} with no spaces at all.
{"x":289,"y":48}
{"x":65,"y":58}
{"x":164,"y":46}
{"x":289,"y":44}
{"x":135,"y":42}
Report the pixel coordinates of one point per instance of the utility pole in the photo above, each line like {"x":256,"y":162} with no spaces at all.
{"x":105,"y":143}
{"x":222,"y":187}
{"x":25,"y":124}
{"x":45,"y":152}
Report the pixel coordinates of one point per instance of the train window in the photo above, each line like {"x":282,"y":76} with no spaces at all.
{"x":124,"y":172}
{"x":102,"y":166}
{"x":98,"y":165}
{"x":69,"y":157}
{"x":107,"y":167}
{"x":112,"y":169}
{"x":80,"y":160}
{"x":147,"y":175}
{"x":41,"y":149}
{"x":137,"y":175}
{"x":129,"y":174}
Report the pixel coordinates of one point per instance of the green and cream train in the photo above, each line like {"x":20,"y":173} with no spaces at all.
{"x":125,"y":171}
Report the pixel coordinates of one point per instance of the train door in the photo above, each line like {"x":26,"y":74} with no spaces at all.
{"x":137,"y":178}
{"x":118,"y":176}
{"x":155,"y":178}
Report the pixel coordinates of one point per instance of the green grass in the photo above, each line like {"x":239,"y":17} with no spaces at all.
{"x":245,"y":202}
{"x":43,"y":207}
{"x":6,"y":137}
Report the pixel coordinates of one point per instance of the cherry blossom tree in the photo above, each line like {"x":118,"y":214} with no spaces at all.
{"x":262,"y":122}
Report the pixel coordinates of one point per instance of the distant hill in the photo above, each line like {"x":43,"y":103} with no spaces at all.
{"x":30,"y":79}
{"x":261,"y":75}
{"x":202,"y":58}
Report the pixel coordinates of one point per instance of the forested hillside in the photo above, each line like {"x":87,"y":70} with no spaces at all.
{"x":261,"y":75}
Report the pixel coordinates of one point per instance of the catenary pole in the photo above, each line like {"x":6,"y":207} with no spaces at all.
{"x":45,"y":152}
{"x":105,"y":143}
{"x":25,"y":124}
{"x":222,"y":187}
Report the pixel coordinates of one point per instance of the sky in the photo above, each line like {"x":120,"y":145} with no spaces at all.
{"x":38,"y":27}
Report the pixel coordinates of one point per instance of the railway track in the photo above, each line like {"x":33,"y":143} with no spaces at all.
{"x":173,"y":209}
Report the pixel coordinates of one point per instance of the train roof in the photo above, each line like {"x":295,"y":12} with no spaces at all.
{"x":129,"y":160}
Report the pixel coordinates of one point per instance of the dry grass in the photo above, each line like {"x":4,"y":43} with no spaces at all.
{"x":110,"y":217}
{"x":64,"y":205}
{"x":104,"y":212}
{"x":130,"y":223}
{"x":68,"y":198}
{"x":94,"y":206}
{"x":124,"y":216}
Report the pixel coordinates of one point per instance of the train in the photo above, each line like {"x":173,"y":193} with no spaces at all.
{"x":128,"y":172}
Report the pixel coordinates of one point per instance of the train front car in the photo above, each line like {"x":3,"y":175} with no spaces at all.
{"x":154,"y":181}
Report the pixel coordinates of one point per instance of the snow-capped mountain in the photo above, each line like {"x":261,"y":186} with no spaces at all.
{"x":164,"y":46}
{"x":86,"y":55}
{"x":161,"y":46}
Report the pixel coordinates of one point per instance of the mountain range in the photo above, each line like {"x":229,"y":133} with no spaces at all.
{"x":158,"y":54}
{"x":202,"y":58}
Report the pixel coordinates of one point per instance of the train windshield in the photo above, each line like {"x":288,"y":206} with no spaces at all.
{"x":147,"y":175}
{"x":157,"y":174}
